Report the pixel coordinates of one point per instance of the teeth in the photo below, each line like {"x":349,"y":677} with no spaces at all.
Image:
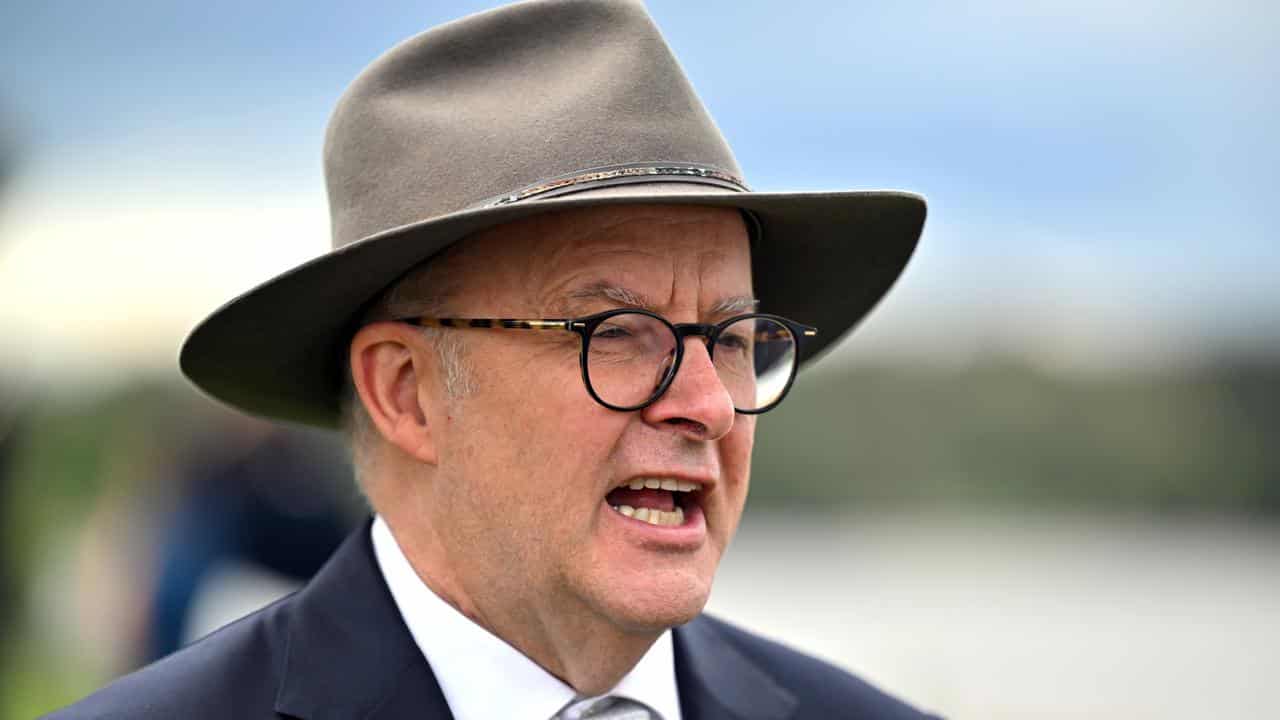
{"x":674,"y":518}
{"x":663,"y":484}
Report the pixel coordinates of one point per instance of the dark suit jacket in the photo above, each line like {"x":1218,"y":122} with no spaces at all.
{"x":338,"y":648}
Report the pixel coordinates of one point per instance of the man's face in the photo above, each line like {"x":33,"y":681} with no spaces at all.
{"x":526,"y":460}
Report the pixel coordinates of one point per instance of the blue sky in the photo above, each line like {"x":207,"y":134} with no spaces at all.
{"x":1102,"y":177}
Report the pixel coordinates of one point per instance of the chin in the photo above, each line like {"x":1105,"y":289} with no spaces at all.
{"x":654,"y":606}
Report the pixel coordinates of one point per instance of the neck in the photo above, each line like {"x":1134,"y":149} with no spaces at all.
{"x":569,"y":641}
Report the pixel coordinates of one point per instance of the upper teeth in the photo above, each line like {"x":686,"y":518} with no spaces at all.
{"x":663,"y":484}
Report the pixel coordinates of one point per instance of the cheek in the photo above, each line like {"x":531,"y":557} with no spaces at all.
{"x":735,"y":449}
{"x":547,"y":431}
{"x":585,"y":438}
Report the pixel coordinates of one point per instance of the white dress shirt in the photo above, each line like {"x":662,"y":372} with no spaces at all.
{"x":483,"y":677}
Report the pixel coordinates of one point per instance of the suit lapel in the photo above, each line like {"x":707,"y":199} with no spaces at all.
{"x":716,"y":681}
{"x":350,"y":654}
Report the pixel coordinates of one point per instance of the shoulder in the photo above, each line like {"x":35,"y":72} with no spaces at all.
{"x":233,"y":672}
{"x":820,"y":688}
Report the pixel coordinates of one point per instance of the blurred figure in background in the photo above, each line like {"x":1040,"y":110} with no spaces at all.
{"x":251,"y":495}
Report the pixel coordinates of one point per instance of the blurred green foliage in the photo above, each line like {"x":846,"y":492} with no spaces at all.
{"x":995,"y":432}
{"x":1006,"y":433}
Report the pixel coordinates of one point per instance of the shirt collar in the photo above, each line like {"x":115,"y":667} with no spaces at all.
{"x":467,"y":659}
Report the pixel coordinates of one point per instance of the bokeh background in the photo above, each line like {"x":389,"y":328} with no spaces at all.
{"x":1042,"y":480}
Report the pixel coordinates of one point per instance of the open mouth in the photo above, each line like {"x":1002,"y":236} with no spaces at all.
{"x":657,"y":501}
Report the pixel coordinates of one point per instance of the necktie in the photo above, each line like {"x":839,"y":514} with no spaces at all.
{"x":609,"y":707}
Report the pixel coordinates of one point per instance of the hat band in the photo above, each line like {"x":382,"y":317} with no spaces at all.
{"x":622,"y":175}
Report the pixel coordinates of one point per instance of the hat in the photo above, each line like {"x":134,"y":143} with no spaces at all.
{"x":540,"y":106}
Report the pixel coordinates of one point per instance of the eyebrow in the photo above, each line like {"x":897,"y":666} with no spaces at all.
{"x":613,"y":293}
{"x":733,"y":305}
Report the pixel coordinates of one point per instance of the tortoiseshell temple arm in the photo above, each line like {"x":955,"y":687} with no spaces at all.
{"x":765,"y":335}
{"x":499,"y":323}
{"x":552,"y":324}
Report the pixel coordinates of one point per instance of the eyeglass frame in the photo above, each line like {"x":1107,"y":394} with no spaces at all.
{"x":585,"y":326}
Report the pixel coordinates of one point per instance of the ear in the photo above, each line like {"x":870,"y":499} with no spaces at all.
{"x":391,"y":368}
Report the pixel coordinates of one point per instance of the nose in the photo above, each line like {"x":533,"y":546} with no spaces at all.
{"x":697,"y":402}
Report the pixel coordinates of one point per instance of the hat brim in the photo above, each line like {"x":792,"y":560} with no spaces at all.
{"x":823,"y":259}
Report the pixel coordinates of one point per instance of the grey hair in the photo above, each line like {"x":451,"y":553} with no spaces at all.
{"x":421,"y":292}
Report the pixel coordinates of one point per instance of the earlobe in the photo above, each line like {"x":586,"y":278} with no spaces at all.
{"x":387,"y":369}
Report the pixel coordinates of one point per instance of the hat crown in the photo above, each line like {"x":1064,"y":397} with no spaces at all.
{"x":494,"y":103}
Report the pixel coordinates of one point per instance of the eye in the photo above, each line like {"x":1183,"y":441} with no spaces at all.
{"x":733,"y":341}
{"x":610,"y":331}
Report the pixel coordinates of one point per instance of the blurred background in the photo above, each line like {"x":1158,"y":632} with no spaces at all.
{"x":1042,"y":480}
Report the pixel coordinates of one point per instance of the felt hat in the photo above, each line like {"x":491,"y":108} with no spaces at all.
{"x":539,"y":106}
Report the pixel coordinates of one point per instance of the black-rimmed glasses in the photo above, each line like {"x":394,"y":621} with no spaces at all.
{"x":630,"y":357}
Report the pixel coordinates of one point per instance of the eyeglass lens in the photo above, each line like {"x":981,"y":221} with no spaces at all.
{"x":630,"y":356}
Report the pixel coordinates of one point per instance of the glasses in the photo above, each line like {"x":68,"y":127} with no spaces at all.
{"x":630,"y":357}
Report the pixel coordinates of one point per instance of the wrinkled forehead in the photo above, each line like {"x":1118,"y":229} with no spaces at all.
{"x":659,"y":255}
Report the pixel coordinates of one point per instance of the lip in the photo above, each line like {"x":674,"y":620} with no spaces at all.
{"x":681,"y":538}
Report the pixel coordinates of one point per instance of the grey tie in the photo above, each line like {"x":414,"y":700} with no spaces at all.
{"x":609,"y":707}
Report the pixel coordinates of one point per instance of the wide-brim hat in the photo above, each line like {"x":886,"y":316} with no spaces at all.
{"x":540,"y":106}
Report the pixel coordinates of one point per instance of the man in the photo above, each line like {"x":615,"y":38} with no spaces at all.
{"x":559,"y":459}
